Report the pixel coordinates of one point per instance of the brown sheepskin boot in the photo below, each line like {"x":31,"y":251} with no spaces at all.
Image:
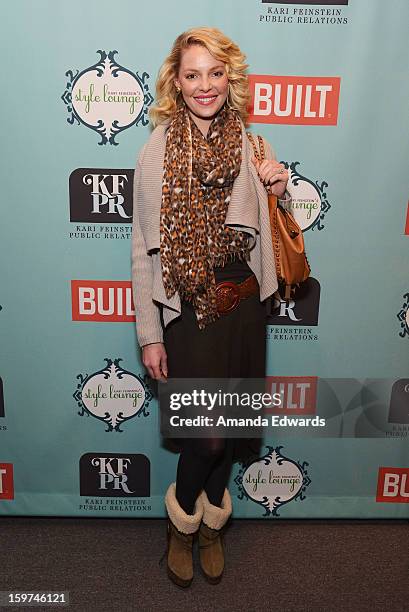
{"x":181,"y":528}
{"x":211,"y":550}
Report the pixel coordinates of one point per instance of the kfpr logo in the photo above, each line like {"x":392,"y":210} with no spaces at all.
{"x":107,"y":98}
{"x":273,"y":481}
{"x":399,"y":402}
{"x":295,"y":100}
{"x":6,"y":481}
{"x":393,"y":485}
{"x":101,"y":196}
{"x":95,"y":300}
{"x":301,"y":309}
{"x":114,"y":475}
{"x":113,"y":395}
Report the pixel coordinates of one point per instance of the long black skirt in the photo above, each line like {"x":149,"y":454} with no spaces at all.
{"x":233,"y":346}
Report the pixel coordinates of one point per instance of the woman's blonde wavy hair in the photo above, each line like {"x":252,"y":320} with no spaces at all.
{"x":223,"y":49}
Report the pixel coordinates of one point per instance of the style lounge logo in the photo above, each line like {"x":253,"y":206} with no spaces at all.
{"x":403,"y":317}
{"x":309,"y":199}
{"x":98,"y":300}
{"x":114,"y":475}
{"x":107,"y":98}
{"x":6,"y":481}
{"x":100,"y":196}
{"x":113,"y":395}
{"x":273,"y":481}
{"x":321,"y":14}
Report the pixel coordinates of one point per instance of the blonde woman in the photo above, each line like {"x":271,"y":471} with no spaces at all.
{"x":201,"y":221}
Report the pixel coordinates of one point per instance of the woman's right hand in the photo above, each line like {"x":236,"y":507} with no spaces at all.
{"x":154,"y":359}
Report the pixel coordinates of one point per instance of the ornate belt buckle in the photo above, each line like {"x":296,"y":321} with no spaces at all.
{"x":228,"y":296}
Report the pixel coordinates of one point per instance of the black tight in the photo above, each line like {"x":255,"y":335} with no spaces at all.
{"x":232,"y":346}
{"x":204,"y":463}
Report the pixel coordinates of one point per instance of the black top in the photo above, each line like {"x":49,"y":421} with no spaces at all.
{"x":236,"y":271}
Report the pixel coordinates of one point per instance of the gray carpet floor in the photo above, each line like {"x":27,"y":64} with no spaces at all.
{"x":280,"y":565}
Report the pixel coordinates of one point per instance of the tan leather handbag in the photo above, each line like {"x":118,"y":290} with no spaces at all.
{"x":292,"y":266}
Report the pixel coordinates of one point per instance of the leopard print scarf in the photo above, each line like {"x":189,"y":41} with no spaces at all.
{"x":198,"y":178}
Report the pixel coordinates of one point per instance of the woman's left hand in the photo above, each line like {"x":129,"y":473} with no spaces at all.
{"x":273,"y":175}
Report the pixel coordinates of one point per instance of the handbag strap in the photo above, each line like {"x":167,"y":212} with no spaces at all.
{"x":260,"y":155}
{"x":274,"y":211}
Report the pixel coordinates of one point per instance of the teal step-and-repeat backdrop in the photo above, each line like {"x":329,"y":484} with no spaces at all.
{"x":78,"y":420}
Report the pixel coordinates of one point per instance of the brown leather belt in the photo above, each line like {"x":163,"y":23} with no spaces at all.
{"x":229,"y":294}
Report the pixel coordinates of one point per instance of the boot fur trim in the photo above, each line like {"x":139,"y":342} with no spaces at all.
{"x":214,"y":516}
{"x":186,"y":523}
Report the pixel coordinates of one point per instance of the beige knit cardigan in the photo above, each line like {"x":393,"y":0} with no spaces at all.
{"x":247,"y":211}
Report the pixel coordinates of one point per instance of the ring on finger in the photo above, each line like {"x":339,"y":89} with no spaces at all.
{"x":279,"y":172}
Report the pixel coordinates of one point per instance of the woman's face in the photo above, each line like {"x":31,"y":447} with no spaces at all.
{"x":203,"y":81}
